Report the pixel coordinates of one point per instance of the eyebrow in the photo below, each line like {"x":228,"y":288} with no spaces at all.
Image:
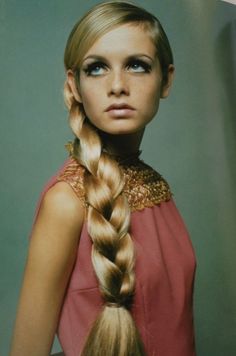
{"x":133,"y":56}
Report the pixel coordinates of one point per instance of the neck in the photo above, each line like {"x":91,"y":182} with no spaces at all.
{"x":122,"y":145}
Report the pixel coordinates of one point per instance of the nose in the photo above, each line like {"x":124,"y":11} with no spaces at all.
{"x":118,"y":84}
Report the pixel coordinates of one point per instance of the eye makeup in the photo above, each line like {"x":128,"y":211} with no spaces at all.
{"x":133,"y":64}
{"x":94,"y":69}
{"x":139,"y":66}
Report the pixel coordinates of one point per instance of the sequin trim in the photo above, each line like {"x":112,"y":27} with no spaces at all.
{"x":73,"y":174}
{"x":144,"y":187}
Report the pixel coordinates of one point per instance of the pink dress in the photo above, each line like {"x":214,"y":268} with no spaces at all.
{"x":165,"y":267}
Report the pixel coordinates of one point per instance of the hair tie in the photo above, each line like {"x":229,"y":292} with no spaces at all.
{"x":113,"y":305}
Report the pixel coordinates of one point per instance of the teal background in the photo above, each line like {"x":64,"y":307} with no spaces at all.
{"x":191,"y":143}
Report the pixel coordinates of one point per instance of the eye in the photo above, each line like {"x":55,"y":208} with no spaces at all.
{"x":95,"y":69}
{"x":139,"y":66}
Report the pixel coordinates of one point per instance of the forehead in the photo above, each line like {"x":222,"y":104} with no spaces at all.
{"x":126,"y":39}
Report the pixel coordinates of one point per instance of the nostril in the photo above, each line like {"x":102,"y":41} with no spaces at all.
{"x":118,"y":86}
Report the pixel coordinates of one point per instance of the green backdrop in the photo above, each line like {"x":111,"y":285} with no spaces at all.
{"x":191,"y":143}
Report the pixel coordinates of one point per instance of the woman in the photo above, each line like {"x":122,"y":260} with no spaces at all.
{"x":110,"y":264}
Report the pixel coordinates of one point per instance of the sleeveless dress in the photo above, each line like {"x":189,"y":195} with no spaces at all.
{"x":165,"y":267}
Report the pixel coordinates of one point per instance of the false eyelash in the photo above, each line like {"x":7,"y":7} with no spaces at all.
{"x":147,"y":67}
{"x":90,"y":67}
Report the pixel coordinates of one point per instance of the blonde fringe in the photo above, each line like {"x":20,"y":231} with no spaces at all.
{"x":108,"y":218}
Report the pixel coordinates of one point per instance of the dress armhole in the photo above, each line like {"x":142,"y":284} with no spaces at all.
{"x":72,"y":173}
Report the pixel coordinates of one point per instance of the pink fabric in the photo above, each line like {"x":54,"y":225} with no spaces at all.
{"x":165,"y":268}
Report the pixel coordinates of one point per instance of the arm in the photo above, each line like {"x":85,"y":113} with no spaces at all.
{"x":51,"y":256}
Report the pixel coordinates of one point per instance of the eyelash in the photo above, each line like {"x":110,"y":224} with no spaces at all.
{"x":89,"y":69}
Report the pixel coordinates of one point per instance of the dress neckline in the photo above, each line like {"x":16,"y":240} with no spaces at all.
{"x":123,"y":160}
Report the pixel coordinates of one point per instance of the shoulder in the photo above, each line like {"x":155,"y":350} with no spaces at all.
{"x":56,"y":233}
{"x":61,"y":197}
{"x":61,"y":203}
{"x":60,"y":218}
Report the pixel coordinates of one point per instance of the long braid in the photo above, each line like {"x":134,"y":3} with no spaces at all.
{"x":108,"y":218}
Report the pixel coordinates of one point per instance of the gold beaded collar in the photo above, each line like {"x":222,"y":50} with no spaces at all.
{"x":144,"y":187}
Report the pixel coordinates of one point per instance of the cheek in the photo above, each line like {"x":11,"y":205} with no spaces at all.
{"x":151,"y":96}
{"x":149,"y":101}
{"x":149,"y":87}
{"x":89,"y":99}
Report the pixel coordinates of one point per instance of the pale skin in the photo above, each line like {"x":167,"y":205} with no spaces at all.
{"x":55,"y":236}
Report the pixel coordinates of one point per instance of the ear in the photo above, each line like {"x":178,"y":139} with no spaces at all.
{"x":166,"y":87}
{"x":71,"y":80}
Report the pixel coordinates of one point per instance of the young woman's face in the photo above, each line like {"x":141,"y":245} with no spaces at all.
{"x":120,"y":81}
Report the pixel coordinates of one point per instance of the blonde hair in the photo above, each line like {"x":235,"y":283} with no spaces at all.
{"x":114,"y":332}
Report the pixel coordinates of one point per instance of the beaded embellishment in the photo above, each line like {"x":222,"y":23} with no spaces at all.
{"x":73,"y":174}
{"x":144,"y":187}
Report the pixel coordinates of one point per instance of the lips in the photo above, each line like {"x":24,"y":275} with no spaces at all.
{"x":120,"y":111}
{"x":120,"y":106}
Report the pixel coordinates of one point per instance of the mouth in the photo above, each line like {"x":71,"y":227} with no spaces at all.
{"x":120,"y":110}
{"x":120,"y":106}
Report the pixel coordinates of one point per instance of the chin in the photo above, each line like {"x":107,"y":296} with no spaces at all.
{"x":123,"y":129}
